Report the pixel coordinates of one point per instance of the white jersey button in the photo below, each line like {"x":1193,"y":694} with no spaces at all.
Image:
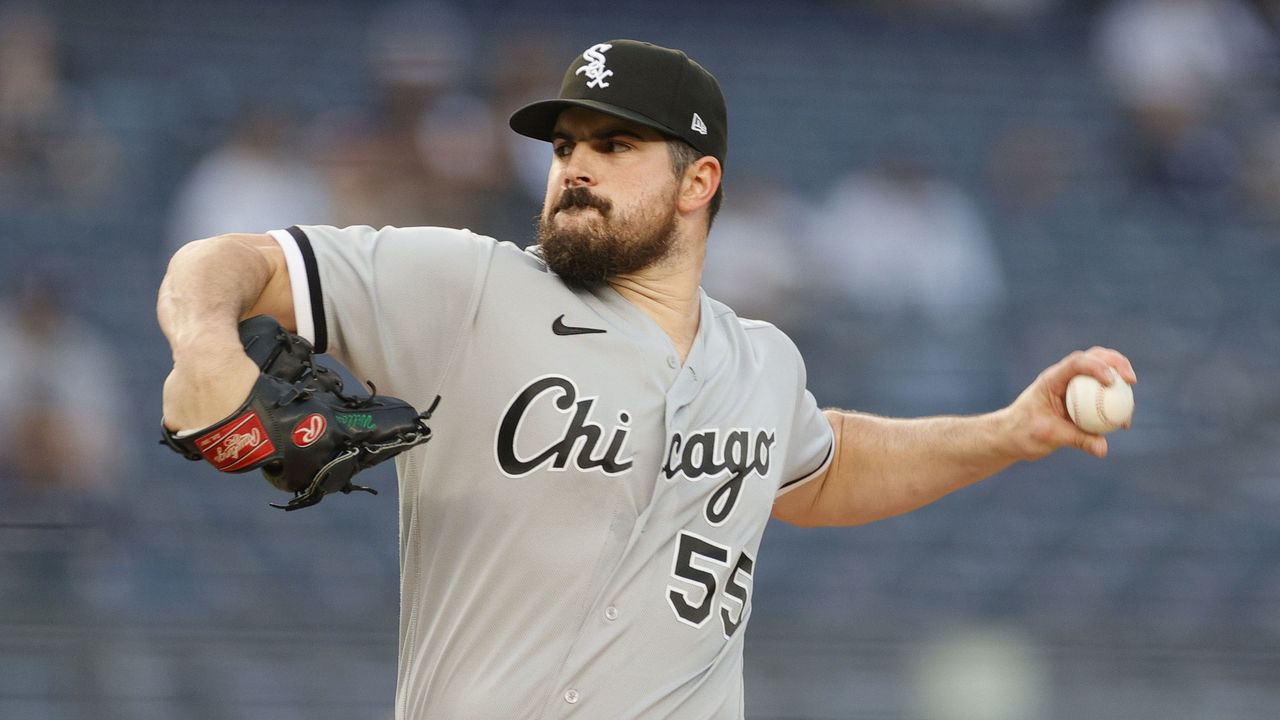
{"x":673,"y":362}
{"x":611,"y":613}
{"x":571,"y":696}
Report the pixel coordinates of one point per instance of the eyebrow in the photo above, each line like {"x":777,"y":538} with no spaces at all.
{"x":605,"y":133}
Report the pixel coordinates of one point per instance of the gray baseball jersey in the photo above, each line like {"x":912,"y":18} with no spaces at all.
{"x":579,"y":538}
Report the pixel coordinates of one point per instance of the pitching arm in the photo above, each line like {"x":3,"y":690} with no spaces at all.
{"x":210,"y":285}
{"x":889,"y":466}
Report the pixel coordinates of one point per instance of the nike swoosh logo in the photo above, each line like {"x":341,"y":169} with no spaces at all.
{"x":558,"y":327}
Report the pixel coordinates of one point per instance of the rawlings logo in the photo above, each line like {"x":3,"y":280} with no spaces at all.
{"x":594,"y":69}
{"x":309,"y":430}
{"x":237,"y":444}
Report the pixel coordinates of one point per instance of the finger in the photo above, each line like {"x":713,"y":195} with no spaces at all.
{"x":1079,"y":362}
{"x":1110,"y":359}
{"x":1060,"y":432}
{"x":1095,"y":445}
{"x":1101,"y":363}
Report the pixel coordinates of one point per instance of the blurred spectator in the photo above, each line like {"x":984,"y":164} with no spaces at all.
{"x":1008,"y":11}
{"x":526,"y":68}
{"x":53,"y":149}
{"x":754,"y":253}
{"x":898,"y":241}
{"x":418,"y":49}
{"x":377,"y":174}
{"x":64,"y":451}
{"x":1178,"y":68}
{"x":1030,"y":165}
{"x":257,"y":181}
{"x":429,"y":152}
{"x":459,"y":144}
{"x":1262,"y":170}
{"x":907,"y":254}
{"x":61,"y":395}
{"x":979,"y":673}
{"x":435,"y":149}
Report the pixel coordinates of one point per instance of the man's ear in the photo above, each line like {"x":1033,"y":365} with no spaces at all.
{"x":699,"y":185}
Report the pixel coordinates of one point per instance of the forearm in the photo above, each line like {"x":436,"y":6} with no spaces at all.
{"x":209,"y":286}
{"x":885,"y":466}
{"x":888,"y":466}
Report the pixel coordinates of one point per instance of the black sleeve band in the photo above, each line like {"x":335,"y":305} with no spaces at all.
{"x":807,"y":476}
{"x":313,"y":287}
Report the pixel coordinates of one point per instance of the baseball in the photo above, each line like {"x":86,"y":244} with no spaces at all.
{"x":1099,"y":408}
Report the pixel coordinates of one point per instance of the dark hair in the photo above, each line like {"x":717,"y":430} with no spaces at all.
{"x":682,"y":156}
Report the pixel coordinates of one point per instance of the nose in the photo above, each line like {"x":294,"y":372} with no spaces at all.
{"x":575,"y":170}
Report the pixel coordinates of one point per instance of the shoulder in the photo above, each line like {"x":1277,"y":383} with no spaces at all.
{"x":762,"y":339}
{"x":426,"y":257}
{"x":425,"y":235}
{"x":441,"y":245}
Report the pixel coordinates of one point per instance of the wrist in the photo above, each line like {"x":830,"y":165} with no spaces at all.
{"x":205,"y":345}
{"x":1008,"y":435}
{"x":198,"y":394}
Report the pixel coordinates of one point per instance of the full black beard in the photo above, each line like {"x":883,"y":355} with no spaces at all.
{"x":591,"y":255}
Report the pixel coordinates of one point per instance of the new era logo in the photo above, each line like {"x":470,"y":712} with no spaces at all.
{"x":698,"y":126}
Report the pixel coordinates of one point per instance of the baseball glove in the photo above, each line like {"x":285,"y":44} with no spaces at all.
{"x":298,"y":427}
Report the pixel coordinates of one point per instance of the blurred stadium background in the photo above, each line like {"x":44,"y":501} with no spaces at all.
{"x":1047,"y":174}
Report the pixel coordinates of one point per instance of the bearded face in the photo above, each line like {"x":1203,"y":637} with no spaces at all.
{"x":586,"y":239}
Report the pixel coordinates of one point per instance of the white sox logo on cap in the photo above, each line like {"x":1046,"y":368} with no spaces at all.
{"x":662,"y":88}
{"x":595,"y":69}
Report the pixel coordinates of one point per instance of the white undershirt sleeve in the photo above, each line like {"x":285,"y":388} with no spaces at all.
{"x":298,"y":282}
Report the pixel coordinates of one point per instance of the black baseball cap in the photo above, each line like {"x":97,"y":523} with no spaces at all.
{"x":651,"y":85}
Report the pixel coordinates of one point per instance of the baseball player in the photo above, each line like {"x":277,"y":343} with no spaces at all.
{"x":580,"y":537}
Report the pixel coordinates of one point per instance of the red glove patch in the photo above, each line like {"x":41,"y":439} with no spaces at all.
{"x":236,"y":444}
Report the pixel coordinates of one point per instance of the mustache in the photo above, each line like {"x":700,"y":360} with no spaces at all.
{"x":581,"y":197}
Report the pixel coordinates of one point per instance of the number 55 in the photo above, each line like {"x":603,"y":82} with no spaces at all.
{"x":692,"y":549}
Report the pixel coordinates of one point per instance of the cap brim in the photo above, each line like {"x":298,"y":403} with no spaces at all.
{"x":538,"y":120}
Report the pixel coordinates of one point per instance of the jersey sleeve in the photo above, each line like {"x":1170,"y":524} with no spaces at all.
{"x":390,"y":303}
{"x":812,"y":443}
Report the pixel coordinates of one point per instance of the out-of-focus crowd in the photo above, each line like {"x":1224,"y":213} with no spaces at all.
{"x":889,"y":266}
{"x":896,"y":251}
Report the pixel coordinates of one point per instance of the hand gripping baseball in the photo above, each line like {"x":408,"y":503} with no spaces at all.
{"x":298,"y":427}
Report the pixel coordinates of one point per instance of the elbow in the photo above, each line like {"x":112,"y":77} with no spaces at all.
{"x":810,"y":508}
{"x":204,"y":246}
{"x":196,"y":254}
{"x":802,"y":522}
{"x":825,"y":521}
